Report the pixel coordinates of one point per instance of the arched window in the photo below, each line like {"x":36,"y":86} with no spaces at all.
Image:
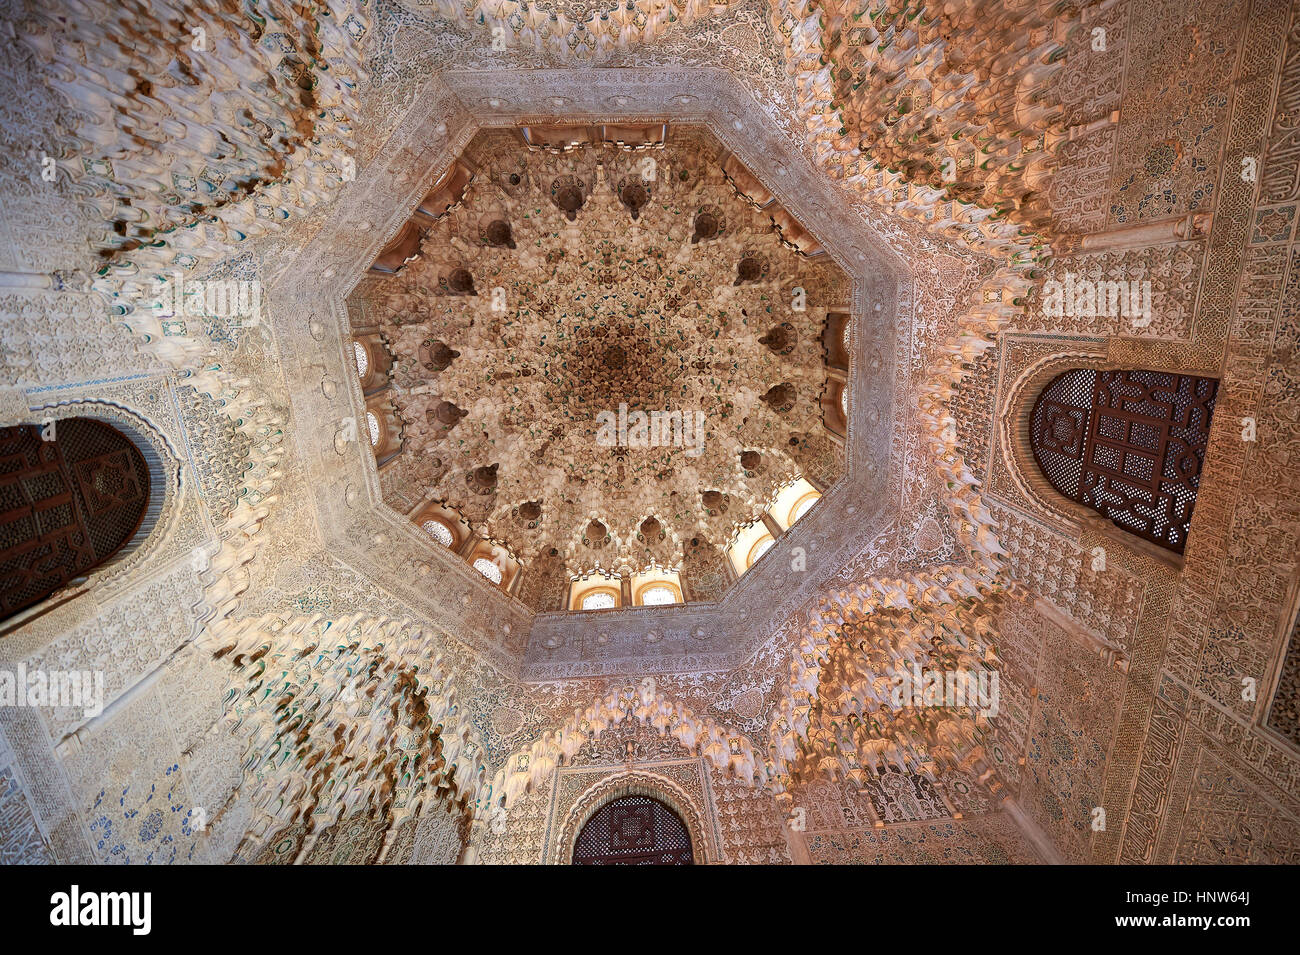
{"x":751,"y":542}
{"x":1128,"y":444}
{"x":599,"y":600}
{"x":633,"y":830}
{"x":656,"y":587}
{"x":72,"y":494}
{"x":802,"y":506}
{"x":595,"y":591}
{"x":363,"y":359}
{"x":761,"y":547}
{"x":373,"y":424}
{"x":488,"y":569}
{"x":439,"y":532}
{"x":657,"y":596}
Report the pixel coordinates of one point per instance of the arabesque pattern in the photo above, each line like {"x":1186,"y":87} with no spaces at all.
{"x":302,"y":669}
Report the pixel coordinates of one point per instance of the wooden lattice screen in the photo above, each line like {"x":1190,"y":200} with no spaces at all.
{"x":633,"y":830}
{"x":66,"y":505}
{"x":1128,"y":444}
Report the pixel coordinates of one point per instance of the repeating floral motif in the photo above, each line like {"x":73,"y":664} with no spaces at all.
{"x":129,"y":827}
{"x":22,"y":843}
{"x":992,"y":840}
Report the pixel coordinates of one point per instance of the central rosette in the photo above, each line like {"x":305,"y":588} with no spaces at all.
{"x":622,"y":336}
{"x":613,"y":360}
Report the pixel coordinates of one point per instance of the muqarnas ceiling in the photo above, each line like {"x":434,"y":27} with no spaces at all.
{"x":544,"y":295}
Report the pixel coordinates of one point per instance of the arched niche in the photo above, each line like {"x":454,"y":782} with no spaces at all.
{"x":1125,"y":444}
{"x":633,"y":830}
{"x":834,"y":401}
{"x":381,"y":428}
{"x":443,"y":524}
{"x":496,"y":563}
{"x":84,"y":489}
{"x":372,"y":362}
{"x":635,"y":783}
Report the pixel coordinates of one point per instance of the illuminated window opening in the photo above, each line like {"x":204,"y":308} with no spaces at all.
{"x":749,"y":544}
{"x":597,"y":583}
{"x":600,"y":600}
{"x":488,"y":569}
{"x":793,"y":502}
{"x":657,"y":596}
{"x":803,"y":506}
{"x":439,"y":532}
{"x":656,"y":587}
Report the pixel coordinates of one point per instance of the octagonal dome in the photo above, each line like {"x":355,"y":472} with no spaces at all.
{"x":611,"y":350}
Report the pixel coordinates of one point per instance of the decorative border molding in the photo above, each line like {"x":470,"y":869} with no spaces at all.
{"x":631,"y":782}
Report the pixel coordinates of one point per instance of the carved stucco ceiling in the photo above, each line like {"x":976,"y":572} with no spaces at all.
{"x":565,"y":287}
{"x":374,"y":534}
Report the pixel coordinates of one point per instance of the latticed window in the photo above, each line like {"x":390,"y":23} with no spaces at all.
{"x":67,"y":504}
{"x":601,"y":600}
{"x":1128,"y":444}
{"x":633,"y":830}
{"x":439,"y":532}
{"x":658,"y":596}
{"x":488,"y":569}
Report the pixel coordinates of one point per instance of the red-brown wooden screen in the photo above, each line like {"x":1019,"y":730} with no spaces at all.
{"x":1128,"y":444}
{"x":66,"y":505}
{"x":633,"y":830}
